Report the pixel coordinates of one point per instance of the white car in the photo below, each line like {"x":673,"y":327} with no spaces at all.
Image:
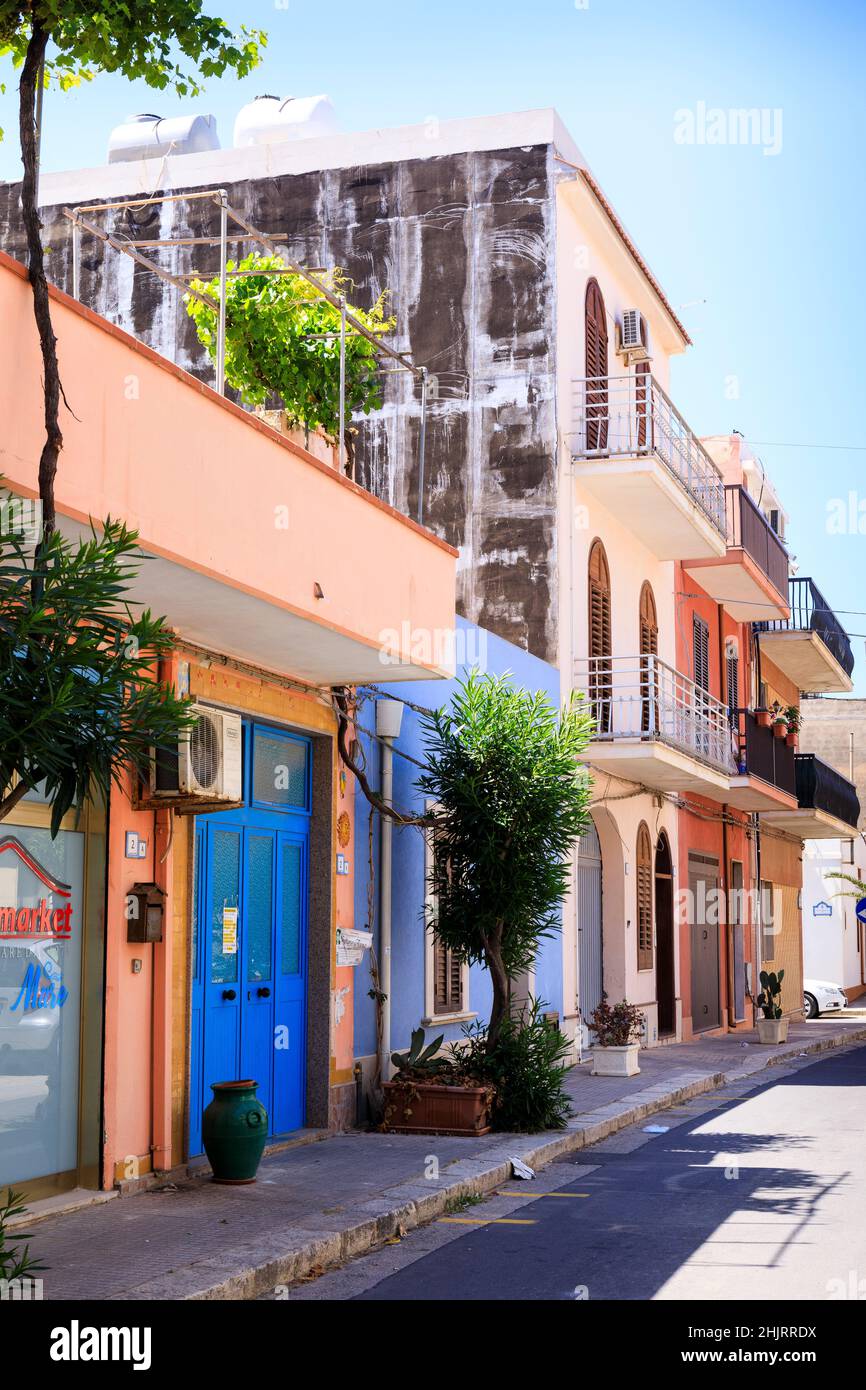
{"x":822,"y":997}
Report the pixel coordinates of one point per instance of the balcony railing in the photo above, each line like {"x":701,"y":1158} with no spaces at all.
{"x":749,"y":529}
{"x":624,"y":416}
{"x":762,"y":754}
{"x":810,"y":611}
{"x":821,"y":788}
{"x":642,"y":698}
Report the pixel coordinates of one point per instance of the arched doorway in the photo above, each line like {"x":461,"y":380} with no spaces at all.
{"x":589,"y":922}
{"x":664,"y":907}
{"x":595,"y":320}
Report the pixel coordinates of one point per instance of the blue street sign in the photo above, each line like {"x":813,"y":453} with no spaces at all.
{"x":861,"y":910}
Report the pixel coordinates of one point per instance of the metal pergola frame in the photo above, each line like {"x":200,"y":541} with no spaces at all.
{"x":349,"y":324}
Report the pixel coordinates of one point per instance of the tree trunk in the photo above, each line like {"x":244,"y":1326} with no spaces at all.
{"x":10,"y":801}
{"x":499,"y":980}
{"x":52,"y":389}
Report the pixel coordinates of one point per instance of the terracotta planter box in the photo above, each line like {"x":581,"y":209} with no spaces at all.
{"x":763,"y":718}
{"x":424,"y":1109}
{"x":772,"y":1030}
{"x":780,"y":730}
{"x":616,"y":1061}
{"x":792,"y":740}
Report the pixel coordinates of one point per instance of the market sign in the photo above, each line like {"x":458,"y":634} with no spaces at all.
{"x":42,"y":920}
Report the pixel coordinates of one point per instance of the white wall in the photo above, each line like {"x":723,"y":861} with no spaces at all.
{"x":585,"y":248}
{"x":830,"y":943}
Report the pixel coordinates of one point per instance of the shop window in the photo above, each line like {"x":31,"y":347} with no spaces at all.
{"x":41,"y":929}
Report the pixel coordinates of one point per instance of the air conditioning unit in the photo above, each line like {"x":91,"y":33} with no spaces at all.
{"x":634,"y":339}
{"x":207,"y":763}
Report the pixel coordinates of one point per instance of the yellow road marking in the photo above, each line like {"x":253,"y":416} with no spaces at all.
{"x":563,"y":1194}
{"x":485,"y":1221}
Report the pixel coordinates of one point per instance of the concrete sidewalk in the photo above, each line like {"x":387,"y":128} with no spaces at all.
{"x":319,"y":1204}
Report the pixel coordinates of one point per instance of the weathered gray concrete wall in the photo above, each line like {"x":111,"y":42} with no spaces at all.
{"x":465,"y":245}
{"x":827,"y":728}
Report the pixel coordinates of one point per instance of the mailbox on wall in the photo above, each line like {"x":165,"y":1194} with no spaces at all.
{"x":145,"y":910}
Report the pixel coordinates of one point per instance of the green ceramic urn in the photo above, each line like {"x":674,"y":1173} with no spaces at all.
{"x":234,"y":1130}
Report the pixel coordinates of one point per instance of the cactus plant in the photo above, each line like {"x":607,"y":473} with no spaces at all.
{"x":420,"y":1058}
{"x":771,"y":993}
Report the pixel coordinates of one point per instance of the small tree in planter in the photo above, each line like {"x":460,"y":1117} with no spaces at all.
{"x":772,"y":1028}
{"x":502,"y":766}
{"x":618,"y":1029}
{"x":780,"y":721}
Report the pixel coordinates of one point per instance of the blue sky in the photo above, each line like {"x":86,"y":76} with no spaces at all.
{"x":772,"y":243}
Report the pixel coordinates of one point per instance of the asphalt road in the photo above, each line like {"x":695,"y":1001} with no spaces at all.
{"x":752,"y":1193}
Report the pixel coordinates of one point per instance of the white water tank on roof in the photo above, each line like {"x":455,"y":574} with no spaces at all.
{"x":270,"y":120}
{"x":147,"y":136}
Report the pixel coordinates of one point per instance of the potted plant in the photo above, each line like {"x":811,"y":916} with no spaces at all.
{"x":618,"y":1029}
{"x":433,"y":1094}
{"x":772,"y":1028}
{"x":794,"y":721}
{"x":780,"y":721}
{"x":763,"y":717}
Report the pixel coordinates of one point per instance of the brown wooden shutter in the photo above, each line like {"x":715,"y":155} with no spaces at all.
{"x":644,"y":898}
{"x":447,"y":980}
{"x":649,"y":626}
{"x":600,"y":637}
{"x":642,"y":404}
{"x":649,"y":646}
{"x":732,"y":663}
{"x":596,"y":369}
{"x":701,"y":646}
{"x":447,"y":970}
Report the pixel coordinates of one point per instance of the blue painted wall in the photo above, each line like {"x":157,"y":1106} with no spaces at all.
{"x":475,"y":647}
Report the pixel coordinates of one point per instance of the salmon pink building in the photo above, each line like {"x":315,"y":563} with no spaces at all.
{"x":191,"y":930}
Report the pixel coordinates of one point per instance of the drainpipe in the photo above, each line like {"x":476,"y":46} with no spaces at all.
{"x":730,"y":985}
{"x":389,"y":716}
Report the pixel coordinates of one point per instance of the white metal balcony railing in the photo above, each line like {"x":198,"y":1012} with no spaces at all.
{"x":642,"y":698}
{"x":626,"y":416}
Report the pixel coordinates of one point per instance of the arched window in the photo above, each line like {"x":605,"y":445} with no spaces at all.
{"x":596,"y":369}
{"x":644,"y":880}
{"x":649,"y":646}
{"x":599,"y":637}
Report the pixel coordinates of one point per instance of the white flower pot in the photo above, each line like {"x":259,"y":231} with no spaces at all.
{"x":615,"y":1061}
{"x":772,"y":1030}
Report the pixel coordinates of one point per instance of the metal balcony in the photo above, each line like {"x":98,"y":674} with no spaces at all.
{"x":751,"y":579}
{"x":655,"y":726}
{"x":827,"y":804}
{"x":810,"y":647}
{"x":639,"y":458}
{"x":765,"y":779}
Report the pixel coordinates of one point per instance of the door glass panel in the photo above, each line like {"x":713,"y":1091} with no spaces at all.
{"x":260,"y":867}
{"x":226,"y":886}
{"x":290,"y":911}
{"x":279,"y":770}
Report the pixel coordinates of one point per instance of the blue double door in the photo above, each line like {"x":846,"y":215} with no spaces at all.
{"x":248,"y":1014}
